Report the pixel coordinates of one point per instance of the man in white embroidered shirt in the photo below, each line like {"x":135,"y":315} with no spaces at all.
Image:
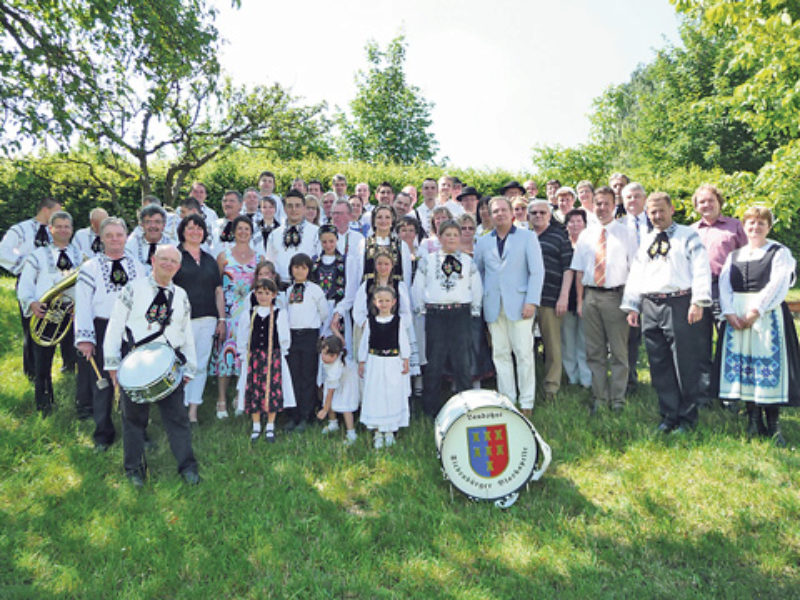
{"x":670,"y":284}
{"x":154,"y":309}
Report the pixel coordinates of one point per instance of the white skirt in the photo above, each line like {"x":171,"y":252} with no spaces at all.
{"x":345,"y":397}
{"x":386,"y":392}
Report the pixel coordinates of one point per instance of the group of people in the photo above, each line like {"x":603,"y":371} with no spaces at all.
{"x":319,"y":303}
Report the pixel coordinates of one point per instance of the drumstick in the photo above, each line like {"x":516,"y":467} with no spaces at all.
{"x":102,"y":382}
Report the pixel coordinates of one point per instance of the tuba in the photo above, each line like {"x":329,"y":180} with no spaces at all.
{"x":50,"y":329}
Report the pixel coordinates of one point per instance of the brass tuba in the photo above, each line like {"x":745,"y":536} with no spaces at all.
{"x":50,"y":329}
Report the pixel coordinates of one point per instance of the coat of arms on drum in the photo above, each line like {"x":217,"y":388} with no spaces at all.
{"x":488,"y":449}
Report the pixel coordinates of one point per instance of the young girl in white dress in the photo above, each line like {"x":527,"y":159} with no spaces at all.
{"x":383,"y":358}
{"x":340,"y":387}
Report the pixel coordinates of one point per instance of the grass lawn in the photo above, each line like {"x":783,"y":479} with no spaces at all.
{"x":620,"y":514}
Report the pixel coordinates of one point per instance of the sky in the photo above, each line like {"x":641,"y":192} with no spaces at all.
{"x":504,"y":75}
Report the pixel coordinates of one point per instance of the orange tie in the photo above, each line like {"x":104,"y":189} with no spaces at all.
{"x":600,"y":261}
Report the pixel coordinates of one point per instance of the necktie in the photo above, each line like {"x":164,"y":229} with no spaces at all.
{"x":227,"y":232}
{"x":638,"y":231}
{"x":291,"y":237}
{"x":42,"y":239}
{"x":157,"y":312}
{"x":660,"y":246}
{"x":150,"y":252}
{"x":296,"y":296}
{"x":97,"y":245}
{"x":118,"y":275}
{"x":63,"y":263}
{"x":600,"y":260}
{"x":451,"y":265}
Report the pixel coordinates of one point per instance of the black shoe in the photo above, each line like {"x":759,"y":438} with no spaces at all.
{"x":136,"y":480}
{"x":289,"y":426}
{"x":631,"y":388}
{"x":191,"y":477}
{"x":681,"y":430}
{"x":300,"y":427}
{"x":100,"y":447}
{"x":83,"y":415}
{"x":269,"y":436}
{"x":778,"y":440}
{"x":664,"y":427}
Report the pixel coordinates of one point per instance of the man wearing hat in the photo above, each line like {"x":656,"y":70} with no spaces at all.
{"x":512,"y":190}
{"x":468,"y":198}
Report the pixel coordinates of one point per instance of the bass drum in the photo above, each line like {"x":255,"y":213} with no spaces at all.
{"x":149,"y":373}
{"x":488,"y":449}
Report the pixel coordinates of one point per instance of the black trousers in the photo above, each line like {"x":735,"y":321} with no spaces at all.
{"x":43,"y":379}
{"x":176,"y":424}
{"x":102,"y":400}
{"x":448,"y":339}
{"x":28,"y":361}
{"x":680,"y":357}
{"x":84,"y":384}
{"x":634,"y":341}
{"x":303,"y":361}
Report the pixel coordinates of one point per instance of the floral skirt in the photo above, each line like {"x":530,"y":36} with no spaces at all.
{"x":255,"y":396}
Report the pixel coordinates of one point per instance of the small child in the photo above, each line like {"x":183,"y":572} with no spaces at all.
{"x":263,"y":342}
{"x":383,"y":363}
{"x":340,"y":392}
{"x":308,"y":309}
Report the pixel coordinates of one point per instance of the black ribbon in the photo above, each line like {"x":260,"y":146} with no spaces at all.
{"x":227,"y":233}
{"x":97,"y":245}
{"x":150,"y":252}
{"x":118,"y":275}
{"x":63,"y":263}
{"x":451,"y":265}
{"x":42,"y":239}
{"x":291,"y":237}
{"x":296,"y":295}
{"x":660,"y":246}
{"x":158,"y":312}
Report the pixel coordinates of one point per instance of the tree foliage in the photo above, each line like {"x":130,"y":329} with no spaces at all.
{"x":137,"y":81}
{"x":390,"y":117}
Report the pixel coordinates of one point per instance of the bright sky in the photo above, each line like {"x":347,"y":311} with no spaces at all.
{"x":504,"y":75}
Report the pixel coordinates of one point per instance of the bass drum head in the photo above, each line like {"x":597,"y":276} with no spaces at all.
{"x":487,"y":448}
{"x":149,"y":373}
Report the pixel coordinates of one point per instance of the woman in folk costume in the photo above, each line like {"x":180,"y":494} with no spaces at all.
{"x":760,"y":360}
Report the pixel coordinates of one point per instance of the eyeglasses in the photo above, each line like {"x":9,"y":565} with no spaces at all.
{"x":537,"y":212}
{"x":467,"y":228}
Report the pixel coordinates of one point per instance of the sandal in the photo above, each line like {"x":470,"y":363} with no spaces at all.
{"x":222,"y":410}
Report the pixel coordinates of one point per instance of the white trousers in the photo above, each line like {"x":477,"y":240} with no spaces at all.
{"x":514,"y":337}
{"x":203,"y":330}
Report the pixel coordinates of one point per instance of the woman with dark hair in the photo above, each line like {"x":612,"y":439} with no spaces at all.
{"x":237,"y":265}
{"x":573,"y":342}
{"x":384,"y":236}
{"x":199,"y":276}
{"x":269,"y":223}
{"x":484,"y":217}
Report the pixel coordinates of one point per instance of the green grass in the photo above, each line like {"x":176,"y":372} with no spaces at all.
{"x":618,"y":515}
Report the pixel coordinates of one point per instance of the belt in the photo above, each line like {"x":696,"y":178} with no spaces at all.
{"x":385,"y":352}
{"x":447,"y":306}
{"x":619,"y":288}
{"x":668,"y":295}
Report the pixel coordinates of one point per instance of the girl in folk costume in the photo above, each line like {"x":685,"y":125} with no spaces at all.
{"x":384,"y":275}
{"x":263,"y":341}
{"x":340,"y":391}
{"x":760,"y":359}
{"x":336,"y":276}
{"x":383,"y":359}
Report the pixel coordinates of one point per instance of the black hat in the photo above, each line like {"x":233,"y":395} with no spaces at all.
{"x":468,"y":191}
{"x":512,"y":185}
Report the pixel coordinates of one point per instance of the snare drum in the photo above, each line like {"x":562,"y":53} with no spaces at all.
{"x":487,"y":448}
{"x":149,"y":373}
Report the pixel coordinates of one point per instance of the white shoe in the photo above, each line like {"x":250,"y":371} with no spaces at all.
{"x":349,"y":440}
{"x":239,"y":412}
{"x":388,"y":439}
{"x":222,"y":414}
{"x":330,"y":427}
{"x":378,"y":443}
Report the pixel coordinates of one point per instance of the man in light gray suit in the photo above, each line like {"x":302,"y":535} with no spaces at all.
{"x":510,"y":263}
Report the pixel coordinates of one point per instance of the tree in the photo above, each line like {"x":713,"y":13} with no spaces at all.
{"x":137,"y":81}
{"x":390,"y":118}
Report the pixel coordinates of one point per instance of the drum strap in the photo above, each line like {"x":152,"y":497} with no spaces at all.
{"x":146,"y":340}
